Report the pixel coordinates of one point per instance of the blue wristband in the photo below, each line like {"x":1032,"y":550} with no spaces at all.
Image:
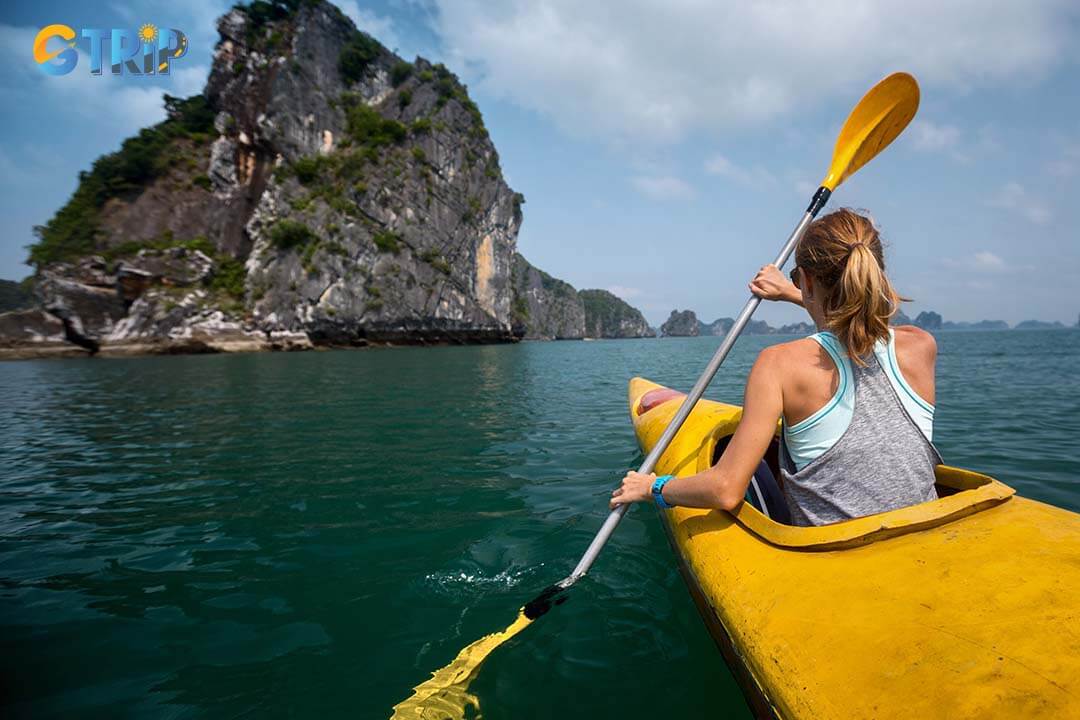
{"x":658,"y":491}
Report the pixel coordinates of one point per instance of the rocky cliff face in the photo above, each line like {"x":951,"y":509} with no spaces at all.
{"x":321,"y":190}
{"x":928,"y":320}
{"x":800,"y":328}
{"x":681,"y":324}
{"x":608,"y":316}
{"x":720,"y":326}
{"x":544,"y":307}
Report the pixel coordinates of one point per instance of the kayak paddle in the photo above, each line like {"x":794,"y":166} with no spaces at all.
{"x":876,"y":121}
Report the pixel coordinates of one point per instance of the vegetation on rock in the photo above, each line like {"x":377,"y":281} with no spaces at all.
{"x":15,"y":295}
{"x":681,"y":323}
{"x":289,"y":234}
{"x":366,"y":127}
{"x":400,"y":72}
{"x":607,"y":315}
{"x":388,"y":242}
{"x":263,"y":12}
{"x":74,"y":230}
{"x":357,"y":56}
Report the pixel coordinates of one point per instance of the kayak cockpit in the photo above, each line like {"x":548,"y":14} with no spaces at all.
{"x":960,"y":493}
{"x":699,"y":444}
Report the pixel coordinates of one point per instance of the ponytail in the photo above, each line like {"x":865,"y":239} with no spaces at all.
{"x":843,"y":252}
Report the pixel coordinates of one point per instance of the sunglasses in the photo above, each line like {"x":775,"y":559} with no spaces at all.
{"x":794,"y":275}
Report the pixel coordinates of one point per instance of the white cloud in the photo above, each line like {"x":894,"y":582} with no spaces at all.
{"x":124,"y":12}
{"x":756,"y":177}
{"x":10,"y":172}
{"x":1013,"y":196}
{"x":653,"y":71}
{"x":984,"y":262}
{"x":379,"y":27}
{"x":626,"y":293}
{"x":1067,"y":162}
{"x":803,"y":187}
{"x":931,"y":137}
{"x":663,"y":187}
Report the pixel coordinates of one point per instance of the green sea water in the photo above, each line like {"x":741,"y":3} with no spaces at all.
{"x":310,"y":535}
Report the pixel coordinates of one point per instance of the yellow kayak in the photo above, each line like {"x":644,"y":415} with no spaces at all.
{"x":964,"y":607}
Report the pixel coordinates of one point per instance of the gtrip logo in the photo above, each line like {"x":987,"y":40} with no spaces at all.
{"x":146,"y":51}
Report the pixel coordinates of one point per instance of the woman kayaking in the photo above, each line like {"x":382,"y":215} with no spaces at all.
{"x":856,"y":399}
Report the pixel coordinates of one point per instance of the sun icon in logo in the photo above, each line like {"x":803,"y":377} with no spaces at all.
{"x":148,"y":33}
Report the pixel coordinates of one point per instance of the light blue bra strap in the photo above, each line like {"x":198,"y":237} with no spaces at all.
{"x":832,"y":346}
{"x":893,"y":369}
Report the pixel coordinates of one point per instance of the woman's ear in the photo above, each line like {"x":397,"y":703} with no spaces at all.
{"x":807,"y":285}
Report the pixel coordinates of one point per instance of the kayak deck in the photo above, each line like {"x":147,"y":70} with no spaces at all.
{"x":965,"y":606}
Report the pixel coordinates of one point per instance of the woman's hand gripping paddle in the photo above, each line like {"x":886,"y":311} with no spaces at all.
{"x":876,"y":121}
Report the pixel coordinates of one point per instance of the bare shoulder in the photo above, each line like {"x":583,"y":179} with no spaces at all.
{"x":788,"y":350}
{"x":915,"y":341}
{"x":789,"y":355}
{"x":916,"y":352}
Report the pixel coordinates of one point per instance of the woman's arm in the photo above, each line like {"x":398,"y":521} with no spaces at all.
{"x":770,"y":284}
{"x":724,"y":484}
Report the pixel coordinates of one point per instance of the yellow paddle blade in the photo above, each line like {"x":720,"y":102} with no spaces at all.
{"x":446,"y":695}
{"x":880,"y":116}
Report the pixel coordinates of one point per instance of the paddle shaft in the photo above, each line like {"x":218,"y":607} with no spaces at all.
{"x":616,"y":515}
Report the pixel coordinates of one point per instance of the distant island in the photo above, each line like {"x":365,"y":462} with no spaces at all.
{"x":685,"y":323}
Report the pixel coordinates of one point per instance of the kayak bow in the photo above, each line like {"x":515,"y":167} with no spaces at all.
{"x":967,"y":606}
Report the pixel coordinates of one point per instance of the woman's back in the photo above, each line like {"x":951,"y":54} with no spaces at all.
{"x":856,"y":437}
{"x":812,"y":378}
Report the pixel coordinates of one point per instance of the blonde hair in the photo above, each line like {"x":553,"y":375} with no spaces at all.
{"x":843,"y":253}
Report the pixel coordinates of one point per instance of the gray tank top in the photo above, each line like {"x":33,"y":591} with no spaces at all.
{"x":882,"y":461}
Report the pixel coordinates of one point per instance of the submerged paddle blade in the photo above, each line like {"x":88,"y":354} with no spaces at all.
{"x":446,"y":694}
{"x":876,"y":121}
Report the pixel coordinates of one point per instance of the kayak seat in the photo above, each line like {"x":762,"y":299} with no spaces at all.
{"x":764,"y":493}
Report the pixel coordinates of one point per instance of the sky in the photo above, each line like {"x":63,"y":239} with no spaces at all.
{"x":666,"y":148}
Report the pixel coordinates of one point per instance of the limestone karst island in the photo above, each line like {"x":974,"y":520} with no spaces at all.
{"x":321,"y":191}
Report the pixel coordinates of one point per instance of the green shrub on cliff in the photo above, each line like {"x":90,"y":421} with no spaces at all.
{"x":400,"y":72}
{"x":229,"y":277}
{"x":435,"y":259}
{"x":308,"y":168}
{"x":521,"y":308}
{"x":367,"y":127}
{"x":357,"y":56}
{"x":261,"y":12}
{"x":288,"y":234}
{"x":165,"y":241}
{"x":387,"y":241}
